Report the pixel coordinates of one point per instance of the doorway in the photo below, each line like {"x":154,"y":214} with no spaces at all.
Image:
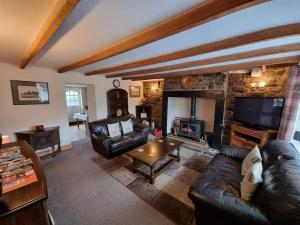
{"x":80,"y":100}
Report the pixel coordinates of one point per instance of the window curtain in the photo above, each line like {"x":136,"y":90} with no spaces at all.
{"x":76,"y":100}
{"x":292,"y":102}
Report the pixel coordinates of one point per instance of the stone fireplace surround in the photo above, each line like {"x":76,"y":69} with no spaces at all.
{"x":218,"y":95}
{"x":231,"y":84}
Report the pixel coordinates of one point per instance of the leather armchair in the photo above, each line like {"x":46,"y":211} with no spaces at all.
{"x":110,"y":147}
{"x":216,"y":194}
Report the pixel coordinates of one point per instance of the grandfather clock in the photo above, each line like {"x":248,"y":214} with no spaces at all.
{"x":117,"y":102}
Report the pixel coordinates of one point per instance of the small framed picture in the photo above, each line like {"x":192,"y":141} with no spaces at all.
{"x":134,"y":91}
{"x":29,"y":92}
{"x":143,"y":115}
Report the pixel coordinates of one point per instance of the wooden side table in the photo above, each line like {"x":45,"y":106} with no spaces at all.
{"x":42,"y":139}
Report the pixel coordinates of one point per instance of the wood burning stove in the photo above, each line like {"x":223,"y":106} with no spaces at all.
{"x":192,"y":128}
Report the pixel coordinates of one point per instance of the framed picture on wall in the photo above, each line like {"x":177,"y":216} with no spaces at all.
{"x":29,"y":92}
{"x":134,"y":91}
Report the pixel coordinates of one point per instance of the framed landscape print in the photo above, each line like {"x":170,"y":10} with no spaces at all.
{"x":29,"y":92}
{"x":134,"y":91}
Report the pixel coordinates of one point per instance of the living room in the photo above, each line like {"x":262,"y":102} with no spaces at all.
{"x":191,"y":116}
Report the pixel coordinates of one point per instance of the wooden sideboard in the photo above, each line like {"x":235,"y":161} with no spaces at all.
{"x":42,"y":139}
{"x":26,"y":205}
{"x":248,"y":138}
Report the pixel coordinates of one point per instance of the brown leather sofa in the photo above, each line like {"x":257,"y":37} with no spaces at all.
{"x":216,"y":194}
{"x":110,"y":147}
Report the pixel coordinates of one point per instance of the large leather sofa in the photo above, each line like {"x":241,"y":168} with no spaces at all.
{"x":110,"y":147}
{"x":216,"y":194}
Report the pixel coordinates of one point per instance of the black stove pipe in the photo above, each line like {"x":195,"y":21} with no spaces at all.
{"x":193,"y":108}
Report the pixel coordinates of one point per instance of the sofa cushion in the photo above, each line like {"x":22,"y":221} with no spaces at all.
{"x":126,"y":126}
{"x":251,"y":180}
{"x":127,"y":117}
{"x":218,"y":190}
{"x":275,"y":150}
{"x":252,"y":157}
{"x":221,"y":178}
{"x":114,"y":129}
{"x":137,"y":136}
{"x":120,"y":143}
{"x":279,"y":194}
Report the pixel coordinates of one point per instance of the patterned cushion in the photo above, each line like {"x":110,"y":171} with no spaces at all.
{"x":251,"y":180}
{"x":127,"y":126}
{"x":114,"y":129}
{"x":253,"y":157}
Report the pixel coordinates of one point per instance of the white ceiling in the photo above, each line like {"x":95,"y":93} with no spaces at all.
{"x":95,"y":24}
{"x":20,"y":21}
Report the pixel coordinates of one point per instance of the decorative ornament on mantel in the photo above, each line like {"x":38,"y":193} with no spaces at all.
{"x":189,"y":82}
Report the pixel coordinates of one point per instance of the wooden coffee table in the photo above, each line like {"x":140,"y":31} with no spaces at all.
{"x":153,"y":152}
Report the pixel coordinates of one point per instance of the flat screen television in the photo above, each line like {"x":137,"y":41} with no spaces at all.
{"x":260,"y":113}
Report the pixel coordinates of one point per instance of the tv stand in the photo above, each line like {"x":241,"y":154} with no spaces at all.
{"x":253,"y":127}
{"x":245,"y":137}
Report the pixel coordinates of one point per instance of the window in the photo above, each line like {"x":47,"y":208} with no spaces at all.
{"x":74,"y":97}
{"x":296,"y":143}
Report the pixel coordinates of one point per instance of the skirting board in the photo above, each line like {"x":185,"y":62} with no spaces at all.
{"x":47,"y":151}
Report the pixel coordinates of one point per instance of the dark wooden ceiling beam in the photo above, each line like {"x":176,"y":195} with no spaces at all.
{"x":202,"y":13}
{"x":250,"y":38}
{"x":218,"y":59}
{"x":221,"y":68}
{"x":59,"y":13}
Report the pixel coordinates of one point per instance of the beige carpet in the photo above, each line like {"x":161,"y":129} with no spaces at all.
{"x":169,"y":194}
{"x":81,"y":193}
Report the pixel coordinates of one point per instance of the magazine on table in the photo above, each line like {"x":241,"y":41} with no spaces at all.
{"x":15,"y":169}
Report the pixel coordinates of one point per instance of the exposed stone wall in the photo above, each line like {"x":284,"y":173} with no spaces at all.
{"x":234,"y":85}
{"x":153,"y":96}
{"x":238,"y":85}
{"x":214,"y":81}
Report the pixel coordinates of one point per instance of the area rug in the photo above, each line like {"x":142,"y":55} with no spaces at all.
{"x":169,"y":194}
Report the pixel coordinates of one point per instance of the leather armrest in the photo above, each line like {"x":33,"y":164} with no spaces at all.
{"x":141,"y":128}
{"x":234,"y":152}
{"x":101,"y":142}
{"x":216,"y":200}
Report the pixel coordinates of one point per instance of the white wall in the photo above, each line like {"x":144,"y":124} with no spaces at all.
{"x":206,"y":111}
{"x":181,"y":107}
{"x":91,"y":98}
{"x":22,"y":117}
{"x":177,"y":107}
